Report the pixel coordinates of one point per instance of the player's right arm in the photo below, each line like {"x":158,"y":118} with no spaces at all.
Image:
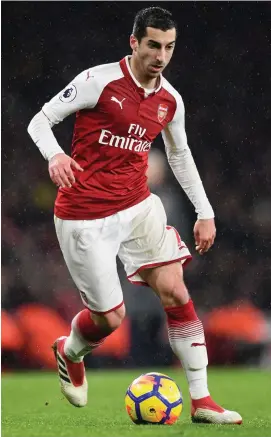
{"x":81,"y":93}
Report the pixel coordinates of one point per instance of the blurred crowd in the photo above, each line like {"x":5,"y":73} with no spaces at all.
{"x":221,"y":67}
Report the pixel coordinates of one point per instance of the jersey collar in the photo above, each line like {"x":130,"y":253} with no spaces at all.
{"x":126,"y":69}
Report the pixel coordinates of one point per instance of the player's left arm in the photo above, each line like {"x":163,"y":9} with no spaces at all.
{"x":184,"y":168}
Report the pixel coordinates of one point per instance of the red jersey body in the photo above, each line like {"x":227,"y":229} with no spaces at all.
{"x":115,"y":126}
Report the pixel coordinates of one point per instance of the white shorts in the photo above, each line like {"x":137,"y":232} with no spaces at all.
{"x":138,"y":235}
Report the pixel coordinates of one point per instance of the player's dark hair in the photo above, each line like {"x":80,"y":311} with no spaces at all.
{"x":154,"y":16}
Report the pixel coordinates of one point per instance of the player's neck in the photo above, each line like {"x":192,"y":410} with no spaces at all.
{"x":144,"y":81}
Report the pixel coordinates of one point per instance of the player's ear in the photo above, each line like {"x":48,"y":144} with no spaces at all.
{"x":133,"y":43}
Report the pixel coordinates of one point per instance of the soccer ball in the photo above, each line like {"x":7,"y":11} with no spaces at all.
{"x":154,"y":398}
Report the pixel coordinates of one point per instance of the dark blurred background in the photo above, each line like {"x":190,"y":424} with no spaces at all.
{"x":221,"y":67}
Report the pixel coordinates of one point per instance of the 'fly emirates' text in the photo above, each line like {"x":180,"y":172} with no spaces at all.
{"x":108,"y":139}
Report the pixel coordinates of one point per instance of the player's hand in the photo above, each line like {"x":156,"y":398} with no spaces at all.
{"x":60,"y":170}
{"x":204,"y":233}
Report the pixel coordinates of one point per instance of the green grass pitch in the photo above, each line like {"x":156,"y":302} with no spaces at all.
{"x":33,"y":406}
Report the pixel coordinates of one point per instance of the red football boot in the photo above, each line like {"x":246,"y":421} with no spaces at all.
{"x":205,"y":410}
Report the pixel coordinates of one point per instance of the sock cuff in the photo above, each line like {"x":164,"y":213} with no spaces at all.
{"x":87,"y":328}
{"x":182,"y":313}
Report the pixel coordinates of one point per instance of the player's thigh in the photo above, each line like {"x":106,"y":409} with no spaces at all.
{"x":168,"y":283}
{"x":91,"y":259}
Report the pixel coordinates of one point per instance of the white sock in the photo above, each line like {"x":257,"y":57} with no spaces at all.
{"x":194,"y":362}
{"x":186,"y":337}
{"x":76,"y":347}
{"x":197,"y":380}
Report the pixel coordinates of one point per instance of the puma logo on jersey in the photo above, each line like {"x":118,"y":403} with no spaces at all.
{"x":88,"y":75}
{"x":114,"y":99}
{"x":198,"y":344}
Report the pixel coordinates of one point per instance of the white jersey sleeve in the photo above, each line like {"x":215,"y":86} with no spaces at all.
{"x":182,"y":163}
{"x":81,"y":93}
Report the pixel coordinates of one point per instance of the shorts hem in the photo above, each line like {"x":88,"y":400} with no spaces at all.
{"x":107,"y":311}
{"x":185,"y":260}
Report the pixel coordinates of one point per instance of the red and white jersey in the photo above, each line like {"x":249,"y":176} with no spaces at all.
{"x":115,"y":126}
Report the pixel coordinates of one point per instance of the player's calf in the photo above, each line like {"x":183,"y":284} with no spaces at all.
{"x":111,"y":320}
{"x":90,"y":330}
{"x":87,"y":333}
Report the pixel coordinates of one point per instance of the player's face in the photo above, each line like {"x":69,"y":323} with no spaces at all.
{"x":154,"y":51}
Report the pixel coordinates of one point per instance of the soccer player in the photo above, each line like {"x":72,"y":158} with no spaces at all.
{"x":104,"y":207}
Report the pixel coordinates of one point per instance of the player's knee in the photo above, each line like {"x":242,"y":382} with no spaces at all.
{"x":174,"y":294}
{"x":171,"y":287}
{"x":116,"y":317}
{"x":110,"y":321}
